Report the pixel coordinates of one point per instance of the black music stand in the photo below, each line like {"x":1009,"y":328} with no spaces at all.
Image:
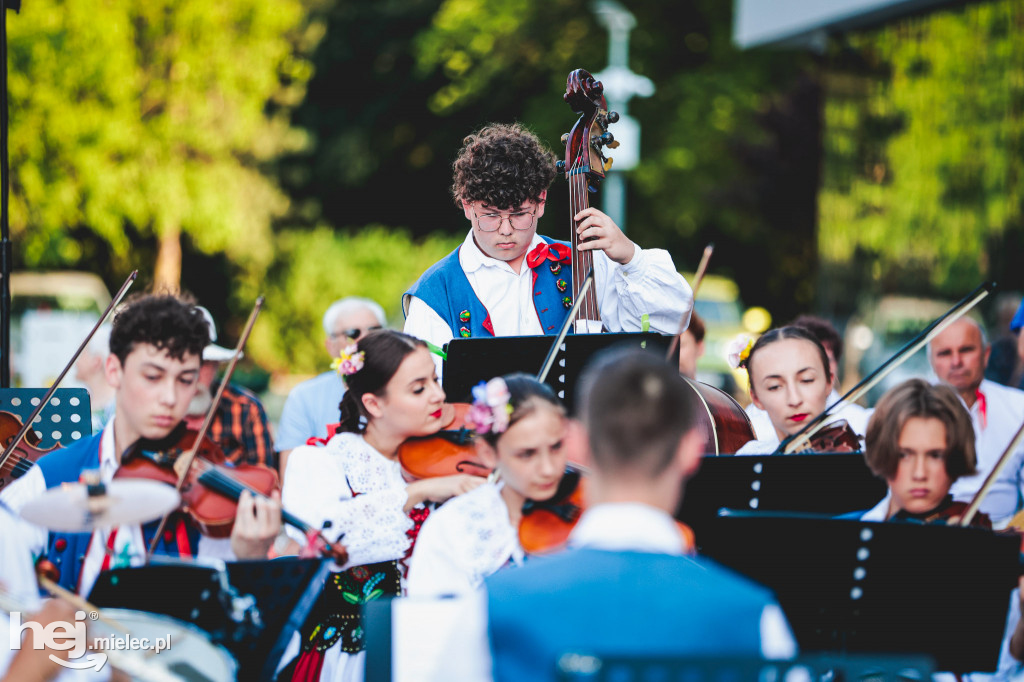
{"x":582,"y":667}
{"x":830,"y":484}
{"x":284,"y":591}
{"x":471,"y":361}
{"x":866,"y":587}
{"x":66,"y":419}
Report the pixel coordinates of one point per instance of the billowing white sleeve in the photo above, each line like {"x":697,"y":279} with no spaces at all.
{"x":422,"y":322}
{"x":437,"y":567}
{"x":648,"y":285}
{"x":14,"y":497}
{"x":372,"y":525}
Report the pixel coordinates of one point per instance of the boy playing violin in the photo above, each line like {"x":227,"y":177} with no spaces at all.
{"x":156,"y":346}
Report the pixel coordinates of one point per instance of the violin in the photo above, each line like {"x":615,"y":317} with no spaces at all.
{"x":545,"y":526}
{"x":24,"y":453}
{"x":448,"y":452}
{"x":949,"y":513}
{"x":838,"y":436}
{"x":211,"y":490}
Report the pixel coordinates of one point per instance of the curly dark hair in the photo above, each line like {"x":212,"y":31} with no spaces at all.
{"x":171,"y":323}
{"x":503,"y":165}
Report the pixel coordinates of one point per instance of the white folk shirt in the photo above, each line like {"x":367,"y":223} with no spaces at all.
{"x":647,"y":284}
{"x":348,"y":487}
{"x":129,"y":547}
{"x":461,"y":543}
{"x":993,"y":430}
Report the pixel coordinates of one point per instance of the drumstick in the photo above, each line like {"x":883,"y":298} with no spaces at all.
{"x":701,"y":270}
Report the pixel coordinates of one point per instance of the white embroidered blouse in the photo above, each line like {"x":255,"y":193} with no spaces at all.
{"x":348,"y":487}
{"x":461,"y":543}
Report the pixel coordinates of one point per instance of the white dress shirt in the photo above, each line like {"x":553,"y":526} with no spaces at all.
{"x":993,"y":431}
{"x":129,"y":547}
{"x":649,"y":284}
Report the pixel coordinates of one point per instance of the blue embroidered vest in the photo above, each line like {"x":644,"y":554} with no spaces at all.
{"x":618,"y":603}
{"x":67,"y":550}
{"x":445,"y":288}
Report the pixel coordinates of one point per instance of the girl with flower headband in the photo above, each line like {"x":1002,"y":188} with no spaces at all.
{"x":521,"y":430}
{"x":353,"y":487}
{"x":790,"y":379}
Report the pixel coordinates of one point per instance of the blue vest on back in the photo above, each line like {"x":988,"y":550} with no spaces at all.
{"x":445,"y":288}
{"x":67,"y":550}
{"x":618,"y":603}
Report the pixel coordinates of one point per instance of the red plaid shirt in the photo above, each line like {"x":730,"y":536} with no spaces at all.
{"x":241,"y":429}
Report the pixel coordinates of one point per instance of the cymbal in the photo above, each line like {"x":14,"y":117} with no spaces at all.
{"x":69,"y":508}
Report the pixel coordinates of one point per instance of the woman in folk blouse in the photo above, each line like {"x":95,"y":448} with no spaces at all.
{"x":353,"y":487}
{"x":522,"y":428}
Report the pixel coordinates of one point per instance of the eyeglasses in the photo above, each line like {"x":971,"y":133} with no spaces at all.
{"x":520,"y":220}
{"x":354,"y":333}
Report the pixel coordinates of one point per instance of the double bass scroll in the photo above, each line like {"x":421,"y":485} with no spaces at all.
{"x":585,"y":166}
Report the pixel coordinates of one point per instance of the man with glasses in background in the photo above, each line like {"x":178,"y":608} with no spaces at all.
{"x":506,"y":280}
{"x":313,"y":405}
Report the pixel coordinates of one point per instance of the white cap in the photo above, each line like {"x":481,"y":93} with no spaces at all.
{"x":213,"y":352}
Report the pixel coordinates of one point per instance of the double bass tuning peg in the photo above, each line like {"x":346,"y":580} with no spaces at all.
{"x":565,"y":138}
{"x":560,"y":166}
{"x":613,"y":117}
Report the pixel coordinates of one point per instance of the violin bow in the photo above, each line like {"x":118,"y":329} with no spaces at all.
{"x":801,"y":439}
{"x":697,"y":279}
{"x":1004,"y":459}
{"x":208,"y":420}
{"x":549,"y":361}
{"x":74,"y":358}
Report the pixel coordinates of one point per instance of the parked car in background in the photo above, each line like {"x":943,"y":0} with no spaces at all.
{"x":719,"y":305}
{"x":879,"y":331}
{"x":51,"y":313}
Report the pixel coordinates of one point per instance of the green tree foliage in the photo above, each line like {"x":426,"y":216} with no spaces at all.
{"x":721,"y":151}
{"x":925,"y":153}
{"x":148,"y":119}
{"x":312,"y":269}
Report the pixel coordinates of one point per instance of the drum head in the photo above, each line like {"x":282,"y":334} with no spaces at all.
{"x":186,"y":651}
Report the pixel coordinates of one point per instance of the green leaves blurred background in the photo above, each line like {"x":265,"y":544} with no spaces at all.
{"x":302,"y":148}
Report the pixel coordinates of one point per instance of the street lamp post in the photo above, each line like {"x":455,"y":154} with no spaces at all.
{"x":620,"y":85}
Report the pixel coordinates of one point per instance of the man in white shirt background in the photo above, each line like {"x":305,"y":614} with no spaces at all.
{"x":506,"y":280}
{"x":958,"y":357}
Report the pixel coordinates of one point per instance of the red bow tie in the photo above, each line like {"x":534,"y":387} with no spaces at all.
{"x":555,"y":252}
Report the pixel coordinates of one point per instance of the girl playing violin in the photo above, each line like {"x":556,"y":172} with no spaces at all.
{"x":920,"y":440}
{"x":354,"y":486}
{"x":521,"y":429}
{"x":790,"y":379}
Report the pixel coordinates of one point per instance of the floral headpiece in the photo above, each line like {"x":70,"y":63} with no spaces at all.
{"x":349,"y":362}
{"x":738,"y":351}
{"x":491,"y":408}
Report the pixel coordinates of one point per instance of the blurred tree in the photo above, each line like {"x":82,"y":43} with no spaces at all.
{"x":725,"y":157}
{"x":924,"y":164}
{"x":144,"y":120}
{"x":312,"y":269}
